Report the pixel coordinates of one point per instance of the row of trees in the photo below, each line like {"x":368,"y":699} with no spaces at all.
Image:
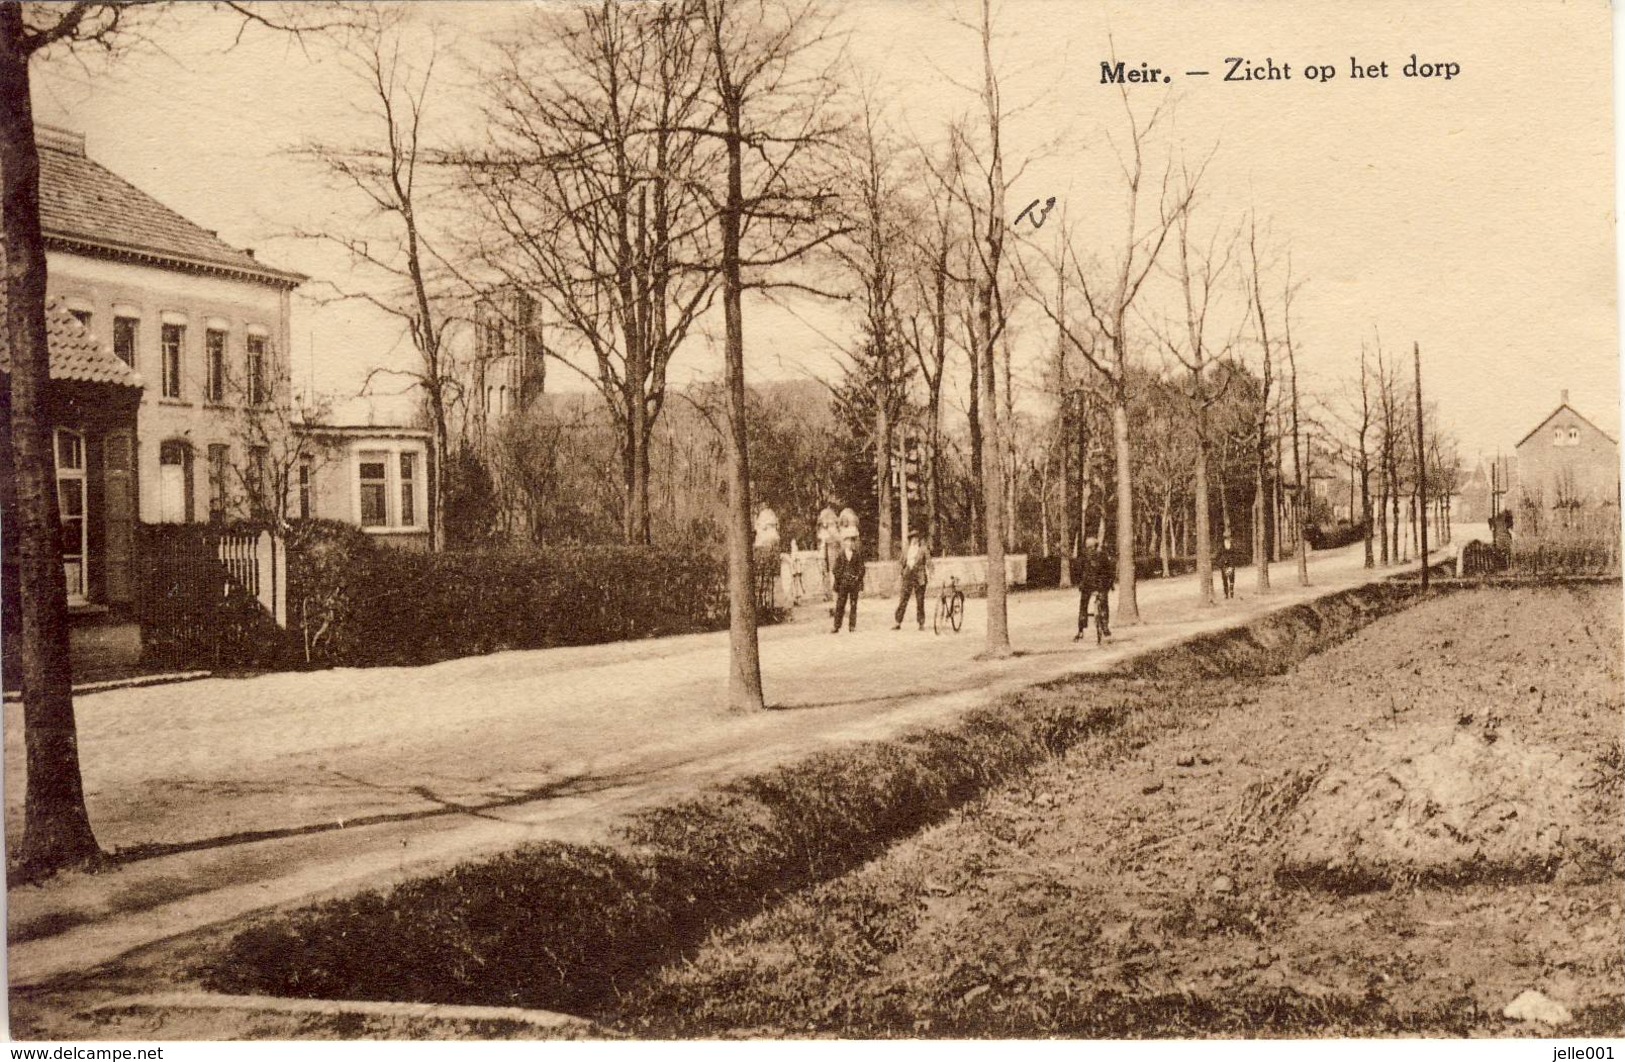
{"x":637,"y":171}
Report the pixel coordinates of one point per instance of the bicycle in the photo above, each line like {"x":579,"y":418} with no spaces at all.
{"x":950,"y":607}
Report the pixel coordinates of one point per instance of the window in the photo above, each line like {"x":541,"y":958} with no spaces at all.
{"x":124,"y":332}
{"x":173,"y":342}
{"x":1574,"y":436}
{"x":409,"y":490}
{"x":214,"y":345}
{"x":261,"y":490}
{"x":374,"y":490}
{"x":256,"y":370}
{"x":305,"y":497}
{"x":174,"y":482}
{"x":70,"y":499}
{"x":219,"y":467}
{"x":83,"y":317}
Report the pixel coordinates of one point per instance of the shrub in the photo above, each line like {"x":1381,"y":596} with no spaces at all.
{"x":359,"y":604}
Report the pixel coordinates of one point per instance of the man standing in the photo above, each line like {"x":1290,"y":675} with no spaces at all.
{"x":1227,"y":569}
{"x":916,"y":572}
{"x":1096,"y":574}
{"x":848,"y":583}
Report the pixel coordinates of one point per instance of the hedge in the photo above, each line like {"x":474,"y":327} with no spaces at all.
{"x":354,"y":603}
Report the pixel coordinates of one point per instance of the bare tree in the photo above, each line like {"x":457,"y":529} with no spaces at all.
{"x":772,"y":103}
{"x":1300,"y":501}
{"x":988,"y":223}
{"x":929,"y":306}
{"x":1262,"y":506}
{"x":595,"y":193}
{"x":870,"y":253}
{"x":1110,"y":305}
{"x":393,"y":240}
{"x":1200,"y":274}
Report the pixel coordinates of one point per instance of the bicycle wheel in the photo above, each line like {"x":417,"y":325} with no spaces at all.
{"x":936,"y":615}
{"x":956,"y":610}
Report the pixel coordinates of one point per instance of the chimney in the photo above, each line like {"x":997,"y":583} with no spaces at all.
{"x":54,"y":136}
{"x":1565,"y":396}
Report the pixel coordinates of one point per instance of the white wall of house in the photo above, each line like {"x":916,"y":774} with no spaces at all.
{"x":376,"y":479}
{"x":154,"y":296}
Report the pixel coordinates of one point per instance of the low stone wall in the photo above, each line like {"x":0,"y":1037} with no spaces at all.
{"x":881,"y":577}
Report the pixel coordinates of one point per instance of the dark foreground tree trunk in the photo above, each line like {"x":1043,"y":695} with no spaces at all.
{"x":57,"y":831}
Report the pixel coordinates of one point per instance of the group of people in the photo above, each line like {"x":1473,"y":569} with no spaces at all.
{"x":845,"y":567}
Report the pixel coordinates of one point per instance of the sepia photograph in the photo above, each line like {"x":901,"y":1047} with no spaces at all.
{"x":758,"y":520}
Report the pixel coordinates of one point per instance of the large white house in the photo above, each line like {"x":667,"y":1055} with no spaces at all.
{"x":204,"y":324}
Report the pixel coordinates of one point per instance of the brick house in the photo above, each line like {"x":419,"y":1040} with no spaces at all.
{"x":1567,"y":470}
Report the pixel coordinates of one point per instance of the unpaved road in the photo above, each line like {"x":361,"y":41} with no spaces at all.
{"x":1136,"y":888}
{"x":228,"y":796}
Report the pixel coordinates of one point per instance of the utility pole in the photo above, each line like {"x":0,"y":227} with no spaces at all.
{"x":1421,"y":466}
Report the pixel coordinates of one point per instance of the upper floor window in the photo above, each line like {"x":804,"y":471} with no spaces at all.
{"x":1574,"y":436}
{"x":82,"y":316}
{"x":214,"y":344}
{"x":124,"y":335}
{"x":258,"y":392}
{"x":173,"y":344}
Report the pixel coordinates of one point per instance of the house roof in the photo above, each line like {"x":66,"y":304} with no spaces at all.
{"x":88,"y":208}
{"x":77,"y":355}
{"x":1561,"y":406}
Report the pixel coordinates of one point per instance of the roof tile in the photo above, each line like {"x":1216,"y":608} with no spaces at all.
{"x":82,"y":200}
{"x":76,"y":354}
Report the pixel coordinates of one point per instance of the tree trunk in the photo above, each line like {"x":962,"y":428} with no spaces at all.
{"x":1204,"y":534}
{"x":1165,"y":537}
{"x":998,"y":624}
{"x":1261,"y":503}
{"x":1066,"y":484}
{"x":933,"y":428}
{"x":977,"y":478}
{"x":745,"y":664}
{"x":1127,"y":612}
{"x":883,"y":470}
{"x":56,"y":832}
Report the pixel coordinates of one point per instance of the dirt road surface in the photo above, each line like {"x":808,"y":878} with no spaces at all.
{"x":225,"y":796}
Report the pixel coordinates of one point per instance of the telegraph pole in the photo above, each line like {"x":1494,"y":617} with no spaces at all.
{"x":1421,"y":465}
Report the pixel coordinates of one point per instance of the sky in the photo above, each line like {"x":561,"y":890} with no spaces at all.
{"x":1473,"y":216}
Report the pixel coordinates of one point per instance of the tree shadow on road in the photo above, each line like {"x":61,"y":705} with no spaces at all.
{"x":576,"y":785}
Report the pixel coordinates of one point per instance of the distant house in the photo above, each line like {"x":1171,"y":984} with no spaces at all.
{"x":1566,"y":465}
{"x":92,"y":404}
{"x":204,"y":324}
{"x":376,"y":478}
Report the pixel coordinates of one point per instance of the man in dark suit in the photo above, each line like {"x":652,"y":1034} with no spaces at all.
{"x":1226,"y":563}
{"x":915,"y":571}
{"x":1096,"y":575}
{"x":848,"y":583}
